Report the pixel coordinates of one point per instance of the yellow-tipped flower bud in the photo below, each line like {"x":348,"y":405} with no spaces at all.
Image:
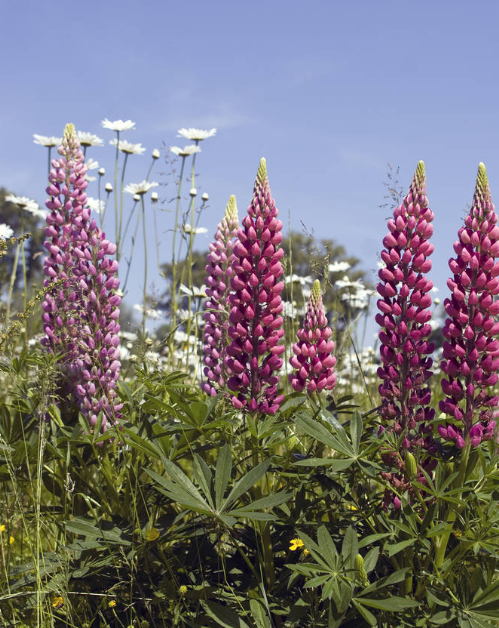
{"x":411,"y":468}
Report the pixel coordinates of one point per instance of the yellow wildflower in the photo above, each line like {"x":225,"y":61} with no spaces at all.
{"x":2,"y":528}
{"x":11,"y":540}
{"x":182,"y":589}
{"x":58,"y":602}
{"x":351,"y":507}
{"x":112,"y":604}
{"x":296,"y":544}
{"x":152,"y":534}
{"x":306,"y":552}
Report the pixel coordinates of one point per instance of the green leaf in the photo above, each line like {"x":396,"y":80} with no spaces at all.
{"x":337,"y":464}
{"x":356,"y":430}
{"x":87,"y":529}
{"x":327,"y":547}
{"x":316,"y":430}
{"x":203,"y":477}
{"x":185,"y":492}
{"x":393,"y":603}
{"x":398,"y":547}
{"x":350,"y":546}
{"x":247,"y":481}
{"x":258,"y":614}
{"x":223,"y":615}
{"x":367,"y":615}
{"x":222,"y":474}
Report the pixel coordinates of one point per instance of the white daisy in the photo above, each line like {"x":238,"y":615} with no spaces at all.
{"x":96,"y":205}
{"x":27,"y":204}
{"x":128,"y":147}
{"x":196,"y":135}
{"x":91,"y":164}
{"x":108,"y":187}
{"x":89,"y":139}
{"x":6,"y":232}
{"x":338,"y":267}
{"x":118,"y":125}
{"x":156,"y":154}
{"x":186,"y":151}
{"x":149,"y":311}
{"x":188,"y":229}
{"x":195,"y":292}
{"x":140,"y":188}
{"x":44,"y":140}
{"x":297,"y":279}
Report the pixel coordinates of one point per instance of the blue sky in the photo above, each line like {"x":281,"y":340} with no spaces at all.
{"x":328,"y":92}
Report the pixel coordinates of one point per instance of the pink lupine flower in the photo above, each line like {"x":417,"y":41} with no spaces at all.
{"x":404,"y":321}
{"x":471,"y":352}
{"x":405,"y":313}
{"x":256,"y":304}
{"x":219,"y":271}
{"x":81,"y":317}
{"x":313,"y":360}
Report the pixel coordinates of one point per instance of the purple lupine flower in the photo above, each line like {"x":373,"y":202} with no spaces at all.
{"x":471,"y":352}
{"x":405,"y":329}
{"x":256,"y":304}
{"x":219,"y":271}
{"x":313,"y":360}
{"x":81,"y":319}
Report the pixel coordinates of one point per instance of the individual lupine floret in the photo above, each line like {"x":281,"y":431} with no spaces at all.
{"x":219,"y":271}
{"x":313,"y":360}
{"x":471,"y":351}
{"x":405,"y":330}
{"x":81,"y":320}
{"x":255,"y":321}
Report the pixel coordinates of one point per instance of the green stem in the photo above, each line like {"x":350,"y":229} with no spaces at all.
{"x":121,"y":194}
{"x":134,"y":239}
{"x":443,"y":540}
{"x":12,"y":282}
{"x":173,"y":291}
{"x":145,"y":263}
{"x":116,"y":211}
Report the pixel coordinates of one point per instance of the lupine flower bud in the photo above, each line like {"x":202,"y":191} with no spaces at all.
{"x":313,"y":360}
{"x":256,"y":304}
{"x":219,"y":271}
{"x":80,"y":321}
{"x":404,"y":320}
{"x":471,"y":350}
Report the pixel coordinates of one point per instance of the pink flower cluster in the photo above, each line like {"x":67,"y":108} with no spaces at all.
{"x":405,"y":315}
{"x":471,"y":351}
{"x":219,"y":271}
{"x":404,"y":320}
{"x":255,"y":301}
{"x":313,"y":360}
{"x":81,"y":320}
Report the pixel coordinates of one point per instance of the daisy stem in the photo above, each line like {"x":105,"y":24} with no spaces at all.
{"x":173,"y":291}
{"x":145,"y":262}
{"x":116,"y":214}
{"x":121,"y":193}
{"x":134,"y":239}
{"x":25,"y":284}
{"x":101,"y":211}
{"x":50,"y":154}
{"x":12,"y":282}
{"x":189,"y":256}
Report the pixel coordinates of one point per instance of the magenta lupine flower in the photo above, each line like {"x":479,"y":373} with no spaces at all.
{"x":256,"y":304}
{"x":219,"y":271}
{"x":313,"y":360}
{"x":81,"y":317}
{"x":405,"y":329}
{"x":471,"y":352}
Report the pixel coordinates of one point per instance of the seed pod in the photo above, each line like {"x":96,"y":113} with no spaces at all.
{"x":360,"y":570}
{"x":411,"y":468}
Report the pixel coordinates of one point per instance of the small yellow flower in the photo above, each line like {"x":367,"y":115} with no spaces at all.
{"x":182,"y":589}
{"x":2,"y":528}
{"x":351,"y":507}
{"x":296,"y":544}
{"x":58,"y":602}
{"x":152,"y":534}
{"x":112,"y":604}
{"x":306,"y":552}
{"x":11,"y":540}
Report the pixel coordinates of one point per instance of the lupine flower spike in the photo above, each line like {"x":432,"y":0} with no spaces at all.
{"x":81,"y":317}
{"x":404,"y":321}
{"x":255,"y":321}
{"x":313,"y":360}
{"x":219,"y":271}
{"x":471,"y":350}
